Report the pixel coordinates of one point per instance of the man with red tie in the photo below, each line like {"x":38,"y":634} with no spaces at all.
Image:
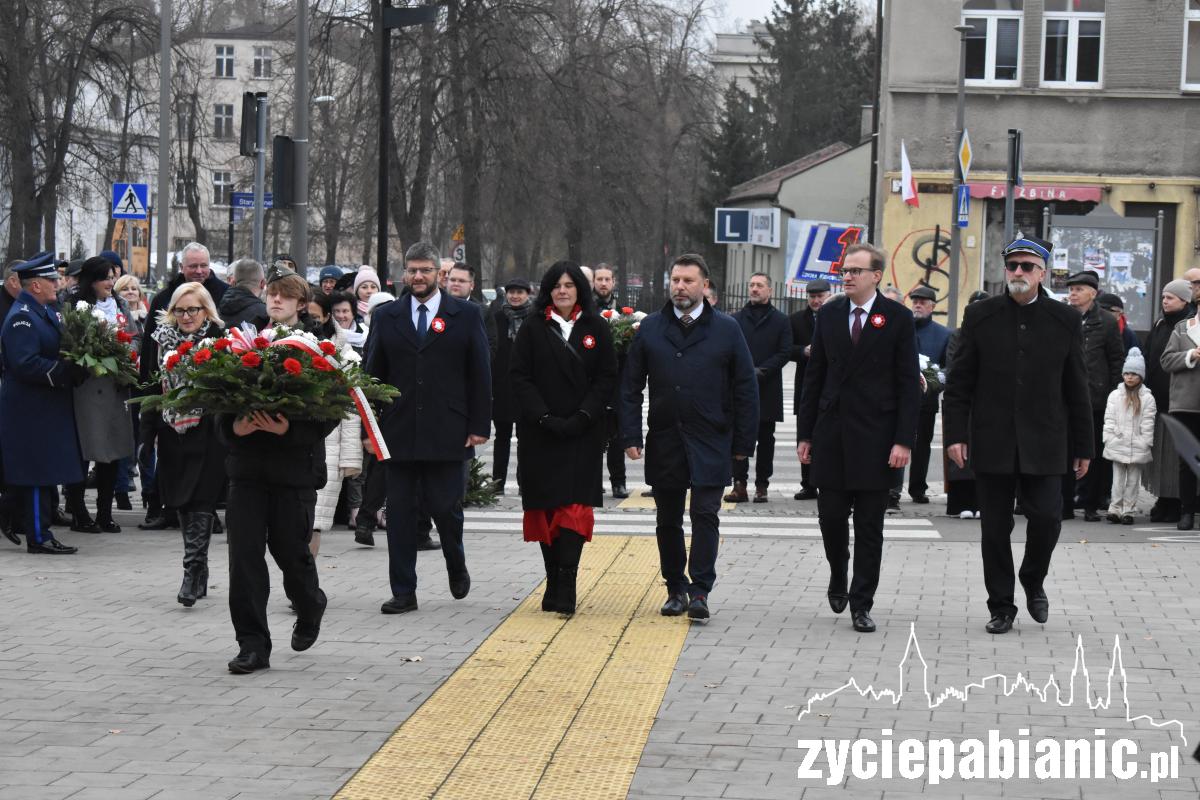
{"x":857,"y":422}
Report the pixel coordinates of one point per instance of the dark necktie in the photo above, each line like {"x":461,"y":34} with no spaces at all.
{"x":856,"y":328}
{"x":421,"y":312}
{"x":686,"y":321}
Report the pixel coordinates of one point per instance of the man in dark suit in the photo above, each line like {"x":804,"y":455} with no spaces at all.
{"x":703,"y":411}
{"x":804,"y":322}
{"x":769,"y":337}
{"x":857,"y":422}
{"x":432,"y":347}
{"x":1018,"y":395}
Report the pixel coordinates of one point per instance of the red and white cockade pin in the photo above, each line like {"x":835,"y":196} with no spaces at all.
{"x":877,"y":320}
{"x":589,"y":341}
{"x":438,"y":325}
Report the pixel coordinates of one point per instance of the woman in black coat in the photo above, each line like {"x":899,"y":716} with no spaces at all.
{"x":191,"y":461}
{"x":564,"y":369}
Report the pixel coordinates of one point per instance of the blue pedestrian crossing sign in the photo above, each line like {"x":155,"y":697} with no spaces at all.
{"x":130,"y":200}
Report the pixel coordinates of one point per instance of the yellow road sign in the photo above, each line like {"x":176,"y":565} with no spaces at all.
{"x":964,"y":154}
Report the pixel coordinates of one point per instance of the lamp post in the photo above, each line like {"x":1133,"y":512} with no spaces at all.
{"x":300,"y":142}
{"x":960,"y":123}
{"x":390,"y":19}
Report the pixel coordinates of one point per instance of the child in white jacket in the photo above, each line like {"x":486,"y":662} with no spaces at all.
{"x":1128,"y":436}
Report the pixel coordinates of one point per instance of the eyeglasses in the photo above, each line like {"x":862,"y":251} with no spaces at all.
{"x":1024,"y":266}
{"x":854,"y":272}
{"x":188,"y":312}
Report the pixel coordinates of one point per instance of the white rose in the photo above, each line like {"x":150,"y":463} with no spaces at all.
{"x":82,"y":305}
{"x":351,"y":356}
{"x":99,"y":315}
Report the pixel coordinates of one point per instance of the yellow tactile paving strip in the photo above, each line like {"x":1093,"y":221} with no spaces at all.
{"x":545,"y":707}
{"x":635,"y":501}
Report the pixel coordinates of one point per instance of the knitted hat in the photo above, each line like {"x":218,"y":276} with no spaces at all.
{"x":1135,"y":363}
{"x":1180,"y":288}
{"x":363,"y":275}
{"x":378,"y":299}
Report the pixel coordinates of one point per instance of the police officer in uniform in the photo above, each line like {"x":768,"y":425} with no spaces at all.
{"x":37,"y":385}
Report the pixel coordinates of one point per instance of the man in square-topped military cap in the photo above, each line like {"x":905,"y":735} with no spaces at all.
{"x":38,"y":442}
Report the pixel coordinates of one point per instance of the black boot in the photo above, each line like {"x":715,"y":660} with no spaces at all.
{"x":104,"y":504}
{"x":568,"y":547}
{"x":155,"y":521}
{"x":550,"y":598}
{"x":197,"y":531}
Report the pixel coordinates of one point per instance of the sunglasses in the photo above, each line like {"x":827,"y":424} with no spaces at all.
{"x":1024,"y":266}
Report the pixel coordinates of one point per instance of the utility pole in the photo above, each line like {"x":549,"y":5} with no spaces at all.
{"x":260,"y":173}
{"x":960,"y":123}
{"x":164,"y":136}
{"x":1015,"y":155}
{"x":874,"y":196}
{"x":300,"y":143}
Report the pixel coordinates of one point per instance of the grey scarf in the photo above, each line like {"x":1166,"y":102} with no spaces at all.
{"x":516,"y":315}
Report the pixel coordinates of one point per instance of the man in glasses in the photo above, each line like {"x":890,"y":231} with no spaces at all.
{"x":37,"y":418}
{"x":858,"y":422}
{"x":1017,"y":408}
{"x":432,"y":347}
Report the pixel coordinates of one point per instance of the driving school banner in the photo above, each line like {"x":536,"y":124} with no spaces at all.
{"x":815,"y":248}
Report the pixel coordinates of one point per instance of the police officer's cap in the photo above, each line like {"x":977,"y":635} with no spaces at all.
{"x":818,"y":286}
{"x":42,"y":265}
{"x":923,"y":293}
{"x":1085,"y":278}
{"x":1030,"y":244}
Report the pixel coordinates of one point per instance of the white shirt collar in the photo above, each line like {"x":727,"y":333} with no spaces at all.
{"x":432,"y":304}
{"x":866,"y":307}
{"x":694,"y":312}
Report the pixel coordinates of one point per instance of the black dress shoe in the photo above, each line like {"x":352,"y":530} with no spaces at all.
{"x":1156,"y":513}
{"x":305,"y":632}
{"x":156,"y":522}
{"x":805,"y":494}
{"x":1090,"y":516}
{"x":1113,"y":518}
{"x":364,"y":537}
{"x":1187,"y":521}
{"x":123,"y":501}
{"x":1038,"y":605}
{"x":10,"y":532}
{"x":248,"y":662}
{"x":460,"y":585}
{"x":676,"y":604}
{"x":429,"y":543}
{"x":108,"y":526}
{"x":698,"y":608}
{"x":400,"y":605}
{"x":837,"y":601}
{"x":920,"y":499}
{"x":893,"y":504}
{"x":999,"y":623}
{"x":50,"y":546}
{"x":619,"y":491}
{"x":1127,"y":519}
{"x":863,"y":622}
{"x":84,"y":524}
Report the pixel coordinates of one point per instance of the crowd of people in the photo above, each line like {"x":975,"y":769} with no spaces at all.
{"x":1048,"y":407}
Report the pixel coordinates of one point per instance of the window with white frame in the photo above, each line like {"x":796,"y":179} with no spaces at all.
{"x":224,"y":64}
{"x":1073,"y":43}
{"x":1191,"y":46}
{"x":993,"y":45}
{"x":222,"y":121}
{"x":262,"y":62}
{"x":222,"y":188}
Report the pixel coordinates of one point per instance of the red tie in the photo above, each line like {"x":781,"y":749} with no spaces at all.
{"x":856,"y":328}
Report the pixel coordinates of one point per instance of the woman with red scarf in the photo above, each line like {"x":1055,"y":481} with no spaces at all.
{"x":564,"y":369}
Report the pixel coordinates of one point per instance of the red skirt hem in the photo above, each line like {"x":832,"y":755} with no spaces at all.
{"x":543,"y":525}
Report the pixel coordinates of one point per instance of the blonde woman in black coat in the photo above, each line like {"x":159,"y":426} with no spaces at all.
{"x":564,"y":370}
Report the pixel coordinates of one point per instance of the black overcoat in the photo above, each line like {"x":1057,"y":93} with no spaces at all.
{"x":769,"y":338}
{"x":703,"y":398}
{"x":803,"y":322}
{"x":859,"y":400}
{"x":1017,"y":391}
{"x":559,"y":377}
{"x":445,"y":381}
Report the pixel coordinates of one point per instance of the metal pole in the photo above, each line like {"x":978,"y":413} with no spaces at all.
{"x":385,"y":122}
{"x":874,"y":197}
{"x":260,"y":174}
{"x":955,"y":231}
{"x":230,"y":248}
{"x":128,"y":244}
{"x":300,"y":143}
{"x":164,"y":135}
{"x":1010,"y":190}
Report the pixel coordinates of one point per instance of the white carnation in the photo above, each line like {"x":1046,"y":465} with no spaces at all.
{"x":351,"y":356}
{"x":82,"y":305}
{"x":99,"y":315}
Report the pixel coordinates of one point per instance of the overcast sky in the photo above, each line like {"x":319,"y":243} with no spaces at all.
{"x":744,"y":10}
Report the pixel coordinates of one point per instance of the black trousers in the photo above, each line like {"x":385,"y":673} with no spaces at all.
{"x":1041,"y":502}
{"x":374,"y":492}
{"x":1187,"y":478}
{"x":106,"y":482}
{"x":918,"y":469}
{"x":501,"y":448}
{"x":672,"y":552}
{"x":1098,"y":481}
{"x":438,"y":487}
{"x":833,"y":511}
{"x":37,"y":504}
{"x":261,"y":517}
{"x":764,"y":457}
{"x":616,"y":453}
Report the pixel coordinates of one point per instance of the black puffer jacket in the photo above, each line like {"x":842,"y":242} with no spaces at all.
{"x":1103,"y":354}
{"x":241,"y":305}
